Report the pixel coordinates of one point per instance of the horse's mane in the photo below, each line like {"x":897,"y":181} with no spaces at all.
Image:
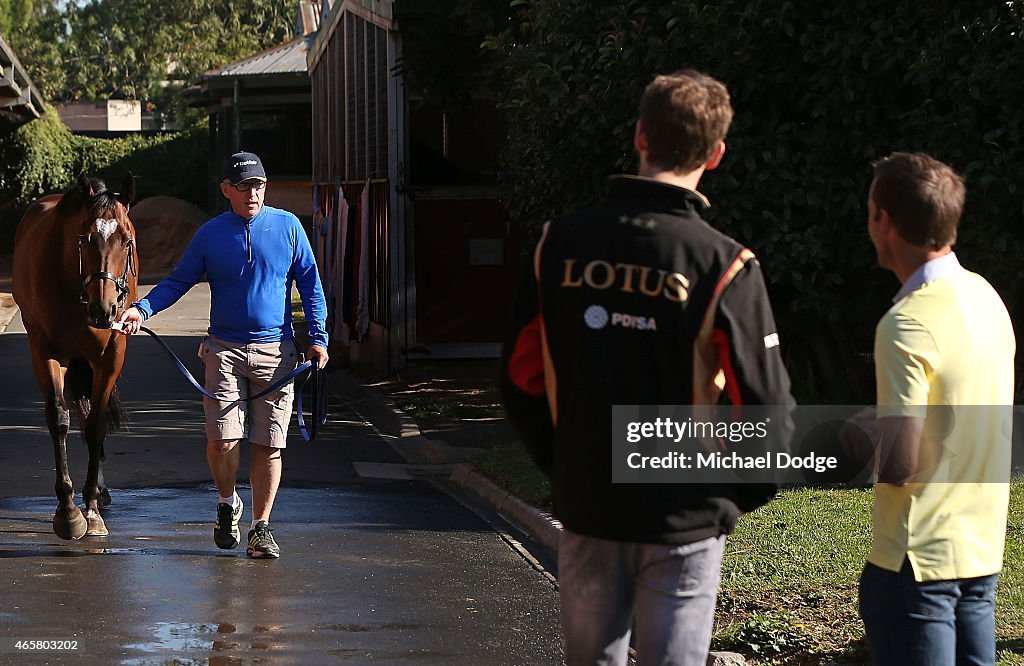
{"x":102,"y":199}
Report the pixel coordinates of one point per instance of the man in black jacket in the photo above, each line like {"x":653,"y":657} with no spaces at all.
{"x":635,"y":300}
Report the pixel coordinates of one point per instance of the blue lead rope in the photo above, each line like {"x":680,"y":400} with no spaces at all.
{"x":319,"y":410}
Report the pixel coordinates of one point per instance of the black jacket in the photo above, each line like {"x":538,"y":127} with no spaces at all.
{"x":637,"y":301}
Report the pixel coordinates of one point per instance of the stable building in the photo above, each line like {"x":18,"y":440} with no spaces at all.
{"x":419,"y":257}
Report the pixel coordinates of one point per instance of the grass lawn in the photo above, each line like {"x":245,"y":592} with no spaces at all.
{"x":298,"y":314}
{"x":430,"y":410}
{"x":789,"y":577}
{"x":509,"y":466}
{"x":789,"y":580}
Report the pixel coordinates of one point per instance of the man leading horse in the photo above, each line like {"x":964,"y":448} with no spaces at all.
{"x":250,"y":255}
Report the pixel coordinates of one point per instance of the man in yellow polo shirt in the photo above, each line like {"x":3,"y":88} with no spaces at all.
{"x":944,"y":368}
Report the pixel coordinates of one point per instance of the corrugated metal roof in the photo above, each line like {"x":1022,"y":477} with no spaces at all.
{"x":286,"y":58}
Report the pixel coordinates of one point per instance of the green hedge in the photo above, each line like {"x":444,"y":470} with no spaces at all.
{"x":43,"y":156}
{"x":820,"y":91}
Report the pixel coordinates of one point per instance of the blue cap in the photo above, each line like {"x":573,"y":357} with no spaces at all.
{"x":243,"y":166}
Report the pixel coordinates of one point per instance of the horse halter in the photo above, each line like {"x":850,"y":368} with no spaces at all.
{"x":121,"y":283}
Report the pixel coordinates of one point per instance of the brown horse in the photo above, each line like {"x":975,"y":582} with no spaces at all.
{"x":75,"y":268}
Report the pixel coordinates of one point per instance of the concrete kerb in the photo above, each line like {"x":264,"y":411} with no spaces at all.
{"x":403,"y":434}
{"x":539,"y":525}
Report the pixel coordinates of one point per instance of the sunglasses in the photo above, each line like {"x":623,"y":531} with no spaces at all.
{"x":245,"y":187}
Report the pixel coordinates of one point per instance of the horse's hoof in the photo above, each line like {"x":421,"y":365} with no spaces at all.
{"x":96,"y":525}
{"x":71,"y":526}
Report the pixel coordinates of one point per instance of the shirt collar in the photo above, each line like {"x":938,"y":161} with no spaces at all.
{"x":929,"y":271}
{"x":251,"y":220}
{"x":627,"y":186}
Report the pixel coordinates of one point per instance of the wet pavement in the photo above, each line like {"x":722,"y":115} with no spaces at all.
{"x":384,"y":572}
{"x":375,"y":567}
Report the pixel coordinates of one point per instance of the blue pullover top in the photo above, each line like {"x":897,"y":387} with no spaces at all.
{"x":250,"y":265}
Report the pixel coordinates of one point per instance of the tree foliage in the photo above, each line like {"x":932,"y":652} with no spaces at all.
{"x":43,"y":157}
{"x":14,"y":14}
{"x":149,"y":50}
{"x":442,"y":62}
{"x":820,"y":91}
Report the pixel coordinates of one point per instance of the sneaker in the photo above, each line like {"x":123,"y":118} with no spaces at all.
{"x":225,"y":531}
{"x":261,"y":542}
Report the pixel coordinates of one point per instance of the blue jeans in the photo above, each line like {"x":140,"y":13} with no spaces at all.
{"x":669,"y":590}
{"x":932,"y":623}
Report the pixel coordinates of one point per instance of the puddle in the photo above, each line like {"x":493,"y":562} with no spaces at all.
{"x":189,"y":641}
{"x":178,"y":637}
{"x":128,"y":551}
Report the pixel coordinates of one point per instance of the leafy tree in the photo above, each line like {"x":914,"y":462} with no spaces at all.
{"x":149,"y":50}
{"x":14,"y":14}
{"x":37,"y":50}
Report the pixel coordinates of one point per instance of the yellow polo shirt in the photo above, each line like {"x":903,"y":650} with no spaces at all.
{"x":945,"y":350}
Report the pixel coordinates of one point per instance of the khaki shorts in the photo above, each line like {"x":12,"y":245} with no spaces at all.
{"x":237,"y":370}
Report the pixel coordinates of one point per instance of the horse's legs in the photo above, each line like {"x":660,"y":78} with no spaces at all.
{"x":104,"y":498}
{"x":103,"y":379}
{"x":95,"y":431}
{"x":68,"y":522}
{"x":104,"y":494}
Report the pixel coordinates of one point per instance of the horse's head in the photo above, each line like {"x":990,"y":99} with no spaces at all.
{"x":108,"y":260}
